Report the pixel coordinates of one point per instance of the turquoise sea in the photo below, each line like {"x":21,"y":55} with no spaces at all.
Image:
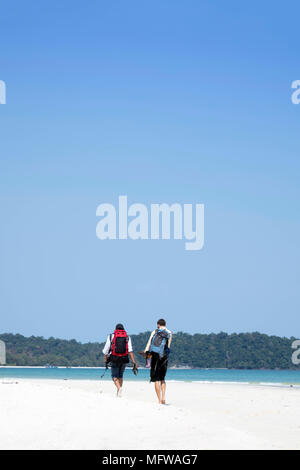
{"x":285,"y":377}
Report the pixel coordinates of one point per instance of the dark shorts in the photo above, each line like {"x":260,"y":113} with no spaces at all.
{"x":159,"y":367}
{"x":117,"y":371}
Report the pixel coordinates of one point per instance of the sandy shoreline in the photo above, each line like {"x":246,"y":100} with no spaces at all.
{"x":84,"y":414}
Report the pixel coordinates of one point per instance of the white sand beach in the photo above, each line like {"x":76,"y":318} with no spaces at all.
{"x":54,"y":414}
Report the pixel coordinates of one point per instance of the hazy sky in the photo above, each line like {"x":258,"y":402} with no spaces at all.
{"x":162,"y":101}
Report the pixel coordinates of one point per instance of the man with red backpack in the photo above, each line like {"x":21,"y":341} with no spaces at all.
{"x":116,"y":350}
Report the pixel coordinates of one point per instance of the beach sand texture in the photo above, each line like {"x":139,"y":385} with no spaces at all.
{"x":53,"y":414}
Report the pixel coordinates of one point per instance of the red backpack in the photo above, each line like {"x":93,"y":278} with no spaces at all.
{"x":119,"y":344}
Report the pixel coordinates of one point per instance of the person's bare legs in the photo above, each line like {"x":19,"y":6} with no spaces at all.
{"x":158,"y":391}
{"x":163,"y":386}
{"x":118,"y":383}
{"x":120,"y":389}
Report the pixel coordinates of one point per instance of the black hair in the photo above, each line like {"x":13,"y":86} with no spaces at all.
{"x":161,"y":322}
{"x":119,"y":326}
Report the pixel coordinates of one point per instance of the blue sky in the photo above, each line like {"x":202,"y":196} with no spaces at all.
{"x":164,"y":101}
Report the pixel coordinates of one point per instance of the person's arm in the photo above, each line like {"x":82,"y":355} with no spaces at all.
{"x":106,"y":348}
{"x":149,"y":342}
{"x":132,"y":358}
{"x":170,"y":339}
{"x":130,"y":351}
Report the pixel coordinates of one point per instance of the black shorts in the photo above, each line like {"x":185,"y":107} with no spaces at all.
{"x":117,"y":371}
{"x":118,"y":365}
{"x":159,"y":367}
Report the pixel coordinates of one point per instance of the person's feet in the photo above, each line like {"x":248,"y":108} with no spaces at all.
{"x":119,"y":393}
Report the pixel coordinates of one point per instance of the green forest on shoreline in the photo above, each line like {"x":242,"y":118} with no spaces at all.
{"x":222,"y":350}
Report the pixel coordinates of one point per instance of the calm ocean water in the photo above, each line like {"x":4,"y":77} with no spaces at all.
{"x":194,"y":375}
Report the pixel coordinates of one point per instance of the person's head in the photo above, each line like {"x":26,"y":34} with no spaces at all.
{"x":119,"y":326}
{"x":161,"y":323}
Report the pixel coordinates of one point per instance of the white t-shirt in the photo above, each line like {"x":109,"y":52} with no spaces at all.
{"x":107,"y":346}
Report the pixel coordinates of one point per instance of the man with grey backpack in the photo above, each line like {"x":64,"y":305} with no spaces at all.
{"x":159,"y":347}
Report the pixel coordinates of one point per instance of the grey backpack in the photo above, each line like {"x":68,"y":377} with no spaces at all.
{"x":159,"y":342}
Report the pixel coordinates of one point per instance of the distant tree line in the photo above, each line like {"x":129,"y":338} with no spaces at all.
{"x":234,"y":351}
